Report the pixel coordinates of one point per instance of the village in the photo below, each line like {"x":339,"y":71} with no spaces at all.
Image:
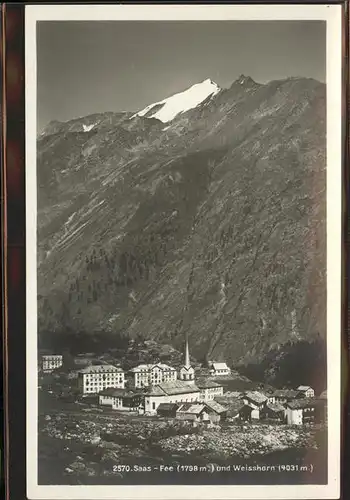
{"x":192,"y":394}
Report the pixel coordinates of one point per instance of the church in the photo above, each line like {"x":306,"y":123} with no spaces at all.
{"x":183,"y":390}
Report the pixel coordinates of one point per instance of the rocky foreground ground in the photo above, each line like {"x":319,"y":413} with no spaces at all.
{"x":241,"y":441}
{"x":92,"y":445}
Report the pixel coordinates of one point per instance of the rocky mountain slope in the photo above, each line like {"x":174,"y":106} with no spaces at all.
{"x":211,"y":223}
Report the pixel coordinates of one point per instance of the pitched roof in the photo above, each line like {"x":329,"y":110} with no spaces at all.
{"x":168,"y":406}
{"x":216,"y":407}
{"x":323,"y":395}
{"x":299,"y":404}
{"x":155,"y":390}
{"x":194,"y":408}
{"x":207,"y":384}
{"x":139,"y":368}
{"x":166,"y":367}
{"x":113,"y":392}
{"x":285,"y":393}
{"x":275,"y":407}
{"x":149,"y":367}
{"x":233,"y":394}
{"x":187,"y":368}
{"x":100,"y":369}
{"x":255,"y":396}
{"x":170,"y":388}
{"x":178,"y":387}
{"x":303,"y":388}
{"x":220,"y":366}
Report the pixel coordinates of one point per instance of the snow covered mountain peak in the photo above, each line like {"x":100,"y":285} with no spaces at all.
{"x":168,"y":108}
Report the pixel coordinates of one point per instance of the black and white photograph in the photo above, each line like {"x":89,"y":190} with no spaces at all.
{"x":183,"y":251}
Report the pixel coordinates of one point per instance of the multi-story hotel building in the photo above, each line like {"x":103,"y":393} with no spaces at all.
{"x":148,"y":374}
{"x":96,"y":378}
{"x":51,"y":361}
{"x":209,"y":390}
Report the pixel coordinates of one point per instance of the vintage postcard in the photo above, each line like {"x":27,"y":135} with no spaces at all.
{"x":183,"y":194}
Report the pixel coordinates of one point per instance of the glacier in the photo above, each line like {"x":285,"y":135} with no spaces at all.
{"x":180,"y":102}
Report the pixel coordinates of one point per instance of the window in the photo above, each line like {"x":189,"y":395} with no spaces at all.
{"x":153,"y":406}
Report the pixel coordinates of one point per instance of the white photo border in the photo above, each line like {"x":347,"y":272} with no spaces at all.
{"x":332,"y":14}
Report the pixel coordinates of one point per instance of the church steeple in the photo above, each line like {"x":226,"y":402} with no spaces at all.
{"x":187,"y":371}
{"x":187,"y":354}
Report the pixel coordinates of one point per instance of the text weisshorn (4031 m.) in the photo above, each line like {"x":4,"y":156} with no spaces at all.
{"x":211,"y":468}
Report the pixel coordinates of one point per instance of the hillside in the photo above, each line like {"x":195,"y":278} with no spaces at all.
{"x":212,"y":223}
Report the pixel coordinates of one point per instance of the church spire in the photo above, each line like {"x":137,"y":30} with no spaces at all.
{"x":187,"y":354}
{"x":187,"y":371}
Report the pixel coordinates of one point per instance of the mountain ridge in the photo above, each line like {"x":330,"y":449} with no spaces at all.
{"x":230,"y":196}
{"x":241,"y":80}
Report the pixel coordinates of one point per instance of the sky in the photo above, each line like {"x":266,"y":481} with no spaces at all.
{"x":89,"y":67}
